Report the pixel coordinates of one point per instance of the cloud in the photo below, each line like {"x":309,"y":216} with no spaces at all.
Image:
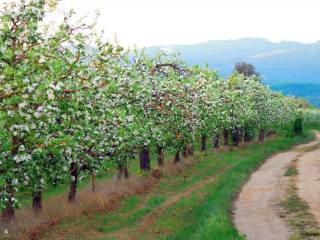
{"x":272,"y":53}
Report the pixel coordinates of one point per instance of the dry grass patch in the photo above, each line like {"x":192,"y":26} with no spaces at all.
{"x":56,"y":210}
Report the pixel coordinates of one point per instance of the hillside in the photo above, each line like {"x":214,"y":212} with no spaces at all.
{"x":287,"y":64}
{"x":309,"y":91}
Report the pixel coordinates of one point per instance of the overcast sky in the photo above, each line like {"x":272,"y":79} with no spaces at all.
{"x":162,"y":22}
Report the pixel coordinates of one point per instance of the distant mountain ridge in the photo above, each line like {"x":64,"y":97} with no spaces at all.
{"x":282,"y":63}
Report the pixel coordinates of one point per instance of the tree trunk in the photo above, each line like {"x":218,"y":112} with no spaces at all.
{"x":190,"y":149}
{"x":122,"y":170}
{"x":144,"y":159}
{"x":74,"y":172}
{"x":241,"y":134}
{"x":160,"y":156}
{"x":37,"y":201}
{"x":247,"y":135}
{"x":177,"y":157}
{"x":216,"y":141}
{"x":93,"y":182}
{"x":203,"y":143}
{"x":236,"y":137}
{"x":185,"y":151}
{"x":8,"y":211}
{"x":226,"y":137}
{"x":261,"y":135}
{"x":126,"y":172}
{"x":298,"y":126}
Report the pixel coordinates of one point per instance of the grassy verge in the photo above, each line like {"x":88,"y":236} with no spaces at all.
{"x":203,"y":214}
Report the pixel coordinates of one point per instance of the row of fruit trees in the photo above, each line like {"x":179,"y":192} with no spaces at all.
{"x":71,"y":101}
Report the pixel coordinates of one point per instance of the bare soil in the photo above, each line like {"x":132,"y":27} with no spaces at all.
{"x":308,"y":182}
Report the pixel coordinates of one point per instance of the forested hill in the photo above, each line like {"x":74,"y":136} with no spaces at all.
{"x":291,"y":67}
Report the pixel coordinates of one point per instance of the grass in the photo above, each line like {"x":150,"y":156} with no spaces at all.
{"x":312,"y":127}
{"x":112,"y":222}
{"x":204,"y":214}
{"x":291,"y":171}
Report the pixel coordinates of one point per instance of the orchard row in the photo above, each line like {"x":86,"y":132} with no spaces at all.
{"x":71,"y":101}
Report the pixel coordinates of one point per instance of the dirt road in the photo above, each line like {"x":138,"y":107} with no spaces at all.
{"x":309,"y":180}
{"x":256,"y":212}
